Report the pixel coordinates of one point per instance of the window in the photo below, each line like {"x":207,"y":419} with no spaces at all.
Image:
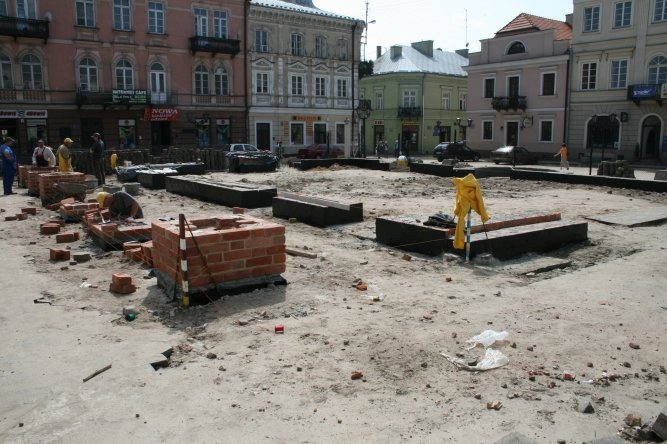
{"x":379,"y":100}
{"x":158,"y":80}
{"x":3,"y":7}
{"x":221,"y":82}
{"x":320,"y":86}
{"x":516,"y":48}
{"x":549,"y":84}
{"x":121,"y":15}
{"x":296,"y":44}
{"x":657,"y":70}
{"x":513,"y":86}
{"x":124,"y":75}
{"x":296,"y":85}
{"x":446,"y":100}
{"x":588,"y":75}
{"x":88,"y":75}
{"x":546,"y":131}
{"x":622,"y":13}
{"x":342,"y":49}
{"x":85,"y":14}
{"x":340,"y":133}
{"x":463,"y":102}
{"x":26,"y":9}
{"x":201,"y":80}
{"x":262,"y":83}
{"x":6,"y":72}
{"x":127,"y":130}
{"x":156,"y":17}
{"x":489,"y":88}
{"x":592,"y":19}
{"x":341,"y":88}
{"x":220,"y":24}
{"x":296,"y":133}
{"x":619,"y":74}
{"x":409,"y":98}
{"x":201,"y":22}
{"x":660,"y":11}
{"x":487,"y":130}
{"x":320,"y":133}
{"x":320,"y":47}
{"x":261,"y":41}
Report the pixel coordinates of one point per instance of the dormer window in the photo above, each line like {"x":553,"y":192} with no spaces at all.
{"x":516,"y":48}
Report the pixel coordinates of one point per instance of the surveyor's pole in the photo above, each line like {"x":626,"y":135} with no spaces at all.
{"x":184,"y":261}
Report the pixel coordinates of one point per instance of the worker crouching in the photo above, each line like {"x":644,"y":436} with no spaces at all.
{"x":120,"y":205}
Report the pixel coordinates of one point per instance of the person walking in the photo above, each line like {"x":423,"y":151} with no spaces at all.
{"x":8,"y":165}
{"x":42,"y":156}
{"x":97,"y":154}
{"x":563,"y":157}
{"x":64,"y":156}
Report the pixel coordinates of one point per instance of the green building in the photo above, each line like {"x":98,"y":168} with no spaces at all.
{"x":416,"y":95}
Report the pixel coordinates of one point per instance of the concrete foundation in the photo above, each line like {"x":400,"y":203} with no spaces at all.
{"x":154,"y":179}
{"x":229,"y":194}
{"x":369,"y":164}
{"x":603,"y":181}
{"x":315,"y":210}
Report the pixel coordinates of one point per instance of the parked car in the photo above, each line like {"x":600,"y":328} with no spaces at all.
{"x":455,"y":150}
{"x":513,"y":155}
{"x":320,"y":151}
{"x":242,"y":147}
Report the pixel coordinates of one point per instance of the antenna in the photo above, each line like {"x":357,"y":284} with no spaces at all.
{"x":467,"y":44}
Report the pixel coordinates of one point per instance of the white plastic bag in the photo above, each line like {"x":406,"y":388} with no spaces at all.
{"x":492,"y":359}
{"x":487,"y":338}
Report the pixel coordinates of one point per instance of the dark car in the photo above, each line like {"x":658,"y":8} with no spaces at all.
{"x":320,"y":151}
{"x":455,"y":150}
{"x":513,"y":155}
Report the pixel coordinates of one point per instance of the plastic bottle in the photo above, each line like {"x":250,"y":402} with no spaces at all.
{"x":378,"y":295}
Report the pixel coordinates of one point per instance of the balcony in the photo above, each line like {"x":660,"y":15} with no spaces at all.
{"x":215,"y":45}
{"x":409,"y":112}
{"x":22,"y":27}
{"x":640,"y":92}
{"x":93,"y":98}
{"x":506,"y":103}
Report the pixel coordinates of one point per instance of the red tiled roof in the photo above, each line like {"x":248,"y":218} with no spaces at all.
{"x":531,"y":23}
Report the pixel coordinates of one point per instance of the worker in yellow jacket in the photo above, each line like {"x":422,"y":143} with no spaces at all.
{"x":64,"y":156}
{"x":113,"y":160}
{"x":468,"y":196}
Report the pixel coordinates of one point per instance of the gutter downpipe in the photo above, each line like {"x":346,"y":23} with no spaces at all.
{"x":566,"y":113}
{"x":420,"y":150}
{"x":354,"y":27}
{"x":245,"y":72}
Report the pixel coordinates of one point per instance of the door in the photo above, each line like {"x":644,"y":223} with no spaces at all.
{"x":88,"y":127}
{"x":263,"y":134}
{"x":650,"y":148}
{"x":512,"y":133}
{"x":158,"y":80}
{"x":160,"y":136}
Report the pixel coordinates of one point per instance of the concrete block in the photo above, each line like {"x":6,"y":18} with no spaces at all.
{"x":368,"y":164}
{"x":432,"y":169}
{"x":410,"y":236}
{"x":230,"y":194}
{"x":111,"y":188}
{"x":660,"y":425}
{"x":154,"y":179}
{"x":316,"y":211}
{"x":515,"y":438}
{"x":603,"y":181}
{"x":660,"y":175}
{"x":81,"y":257}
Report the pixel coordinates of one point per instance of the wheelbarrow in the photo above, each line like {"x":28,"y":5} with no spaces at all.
{"x":72,"y":189}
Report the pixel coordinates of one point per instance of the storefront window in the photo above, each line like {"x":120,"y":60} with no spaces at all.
{"x":320,"y":130}
{"x":127,"y":134}
{"x":222,"y":131}
{"x":36,"y":130}
{"x":203,"y":135}
{"x":297,"y":131}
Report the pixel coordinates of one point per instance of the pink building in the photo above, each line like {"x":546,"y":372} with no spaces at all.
{"x":517,"y":86}
{"x":143,"y":73}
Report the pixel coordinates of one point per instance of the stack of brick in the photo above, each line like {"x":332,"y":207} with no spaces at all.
{"x":139,"y":251}
{"x":33,"y":178}
{"x":234,"y":248}
{"x":122,"y":283}
{"x":74,"y":212}
{"x":48,"y":193}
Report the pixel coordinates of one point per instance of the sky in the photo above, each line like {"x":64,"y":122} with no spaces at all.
{"x":401,"y":22}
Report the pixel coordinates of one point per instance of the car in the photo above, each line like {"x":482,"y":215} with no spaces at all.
{"x":455,"y":150}
{"x":320,"y":151}
{"x":242,"y":147}
{"x":513,"y":155}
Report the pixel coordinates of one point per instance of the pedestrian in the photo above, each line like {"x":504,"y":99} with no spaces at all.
{"x":563,"y":157}
{"x":121,"y":205}
{"x":97,"y":154}
{"x":42,"y":156}
{"x":64,"y":156}
{"x":397,"y":148}
{"x":8,"y":165}
{"x":113,"y":161}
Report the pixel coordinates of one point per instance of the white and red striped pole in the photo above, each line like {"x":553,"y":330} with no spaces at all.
{"x":184,"y":260}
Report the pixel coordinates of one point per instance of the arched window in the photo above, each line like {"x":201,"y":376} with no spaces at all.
{"x":6,"y":72}
{"x":201,"y":80}
{"x":88,"y":75}
{"x":221,"y":80}
{"x":31,"y":71}
{"x":124,"y":75}
{"x":158,"y":83}
{"x":657,"y":70}
{"x":516,"y":48}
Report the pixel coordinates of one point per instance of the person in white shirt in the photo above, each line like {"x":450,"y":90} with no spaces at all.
{"x":42,"y":156}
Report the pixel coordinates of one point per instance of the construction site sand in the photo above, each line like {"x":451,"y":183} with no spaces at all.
{"x":232,"y":379}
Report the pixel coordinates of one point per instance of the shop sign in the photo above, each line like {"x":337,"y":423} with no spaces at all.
{"x":24,"y":114}
{"x":136,"y":96}
{"x":378,"y":122}
{"x":161,"y":114}
{"x":306,"y":118}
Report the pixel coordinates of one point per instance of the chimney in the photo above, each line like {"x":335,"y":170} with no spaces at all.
{"x":425,"y":47}
{"x":378,"y":52}
{"x":396,"y":52}
{"x":568,"y":19}
{"x":462,"y":52}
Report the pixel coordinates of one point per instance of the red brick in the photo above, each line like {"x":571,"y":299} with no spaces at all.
{"x":237,"y":234}
{"x":275,"y":231}
{"x":257,"y":252}
{"x":131,"y":245}
{"x":121,"y":279}
{"x":237,"y":254}
{"x":278,"y":240}
{"x":279,"y":258}
{"x":57,"y":254}
{"x":236,"y":275}
{"x":21,"y":216}
{"x":134,"y":254}
{"x":276,"y":249}
{"x":123,"y":289}
{"x":29,"y":210}
{"x":236,"y":245}
{"x":238,"y":210}
{"x":199,"y":281}
{"x":258,"y":261}
{"x":49,"y":228}
{"x":67,"y":237}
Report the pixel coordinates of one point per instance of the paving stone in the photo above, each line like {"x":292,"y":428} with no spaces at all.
{"x":515,"y":438}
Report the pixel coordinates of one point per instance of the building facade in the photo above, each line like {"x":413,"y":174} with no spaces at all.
{"x":416,"y":93}
{"x":303,"y":75}
{"x":518,"y":86}
{"x":145,"y":74}
{"x":618,"y":79}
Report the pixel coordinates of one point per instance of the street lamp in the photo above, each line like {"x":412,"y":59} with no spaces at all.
{"x":363,"y":111}
{"x":464,"y":125}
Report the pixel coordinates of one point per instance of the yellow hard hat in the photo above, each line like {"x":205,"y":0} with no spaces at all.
{"x":101,"y":197}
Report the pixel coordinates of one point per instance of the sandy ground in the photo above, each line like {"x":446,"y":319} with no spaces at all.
{"x":256,"y":386}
